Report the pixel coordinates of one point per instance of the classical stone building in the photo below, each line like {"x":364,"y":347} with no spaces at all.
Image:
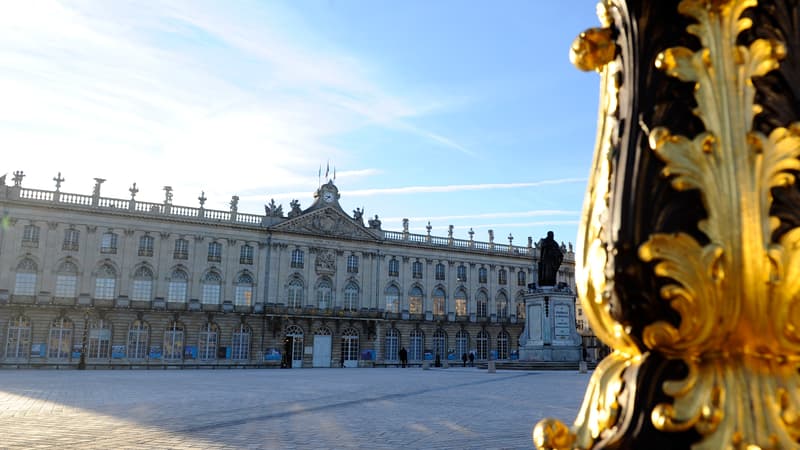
{"x":86,"y":279}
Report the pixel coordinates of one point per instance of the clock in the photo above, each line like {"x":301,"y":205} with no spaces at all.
{"x":327,"y":196}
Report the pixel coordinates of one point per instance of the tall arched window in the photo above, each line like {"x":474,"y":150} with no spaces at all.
{"x":502,"y":345}
{"x":25,"y":282}
{"x":440,"y":343}
{"x":351,"y":297}
{"x":99,"y":340}
{"x":138,"y":334}
{"x":212,"y":288}
{"x":439,"y":302}
{"x":461,"y":304}
{"x":244,"y":290}
{"x":240,"y":343}
{"x":416,"y":345}
{"x":178,"y":286}
{"x":482,"y":344}
{"x":415,"y":300}
{"x":207,"y":344}
{"x":297,"y":335}
{"x":324,"y":294}
{"x":105,"y":284}
{"x":66,"y":280}
{"x":350,"y":347}
{"x":142,"y":284}
{"x":174,"y":341}
{"x":391,"y":345}
{"x":462,"y":342}
{"x":18,"y":342}
{"x":481,"y":305}
{"x":59,"y":345}
{"x":295,"y":294}
{"x":392,"y":299}
{"x":502,"y":305}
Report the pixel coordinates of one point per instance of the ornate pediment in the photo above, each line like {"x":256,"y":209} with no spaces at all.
{"x":330,"y":221}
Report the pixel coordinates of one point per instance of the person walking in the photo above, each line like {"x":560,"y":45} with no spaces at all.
{"x":464,"y":359}
{"x":403,"y":354}
{"x":471,"y":359}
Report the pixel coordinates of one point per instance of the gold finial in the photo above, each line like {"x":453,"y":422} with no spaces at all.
{"x":592,"y":49}
{"x":552,"y":434}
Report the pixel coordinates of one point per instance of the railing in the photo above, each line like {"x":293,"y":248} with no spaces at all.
{"x":36,"y":194}
{"x":438,"y":241}
{"x":113,"y":203}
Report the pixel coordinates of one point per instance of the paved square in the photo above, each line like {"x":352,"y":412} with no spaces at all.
{"x":282,"y":409}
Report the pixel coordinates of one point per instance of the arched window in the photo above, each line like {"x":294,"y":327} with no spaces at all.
{"x":240,"y":343}
{"x":482,"y":344}
{"x":142,"y":284}
{"x":295,"y":294}
{"x":18,"y":343}
{"x":297,"y":259}
{"x":350,"y":347}
{"x":324,"y":294}
{"x":212,"y":288}
{"x":417,"y":345}
{"x":440,"y":343}
{"x":105,"y":284}
{"x":59,"y":346}
{"x":502,"y":345}
{"x":244,"y":290}
{"x":439,"y":302}
{"x":25,"y":282}
{"x":138,"y":334}
{"x":462,"y":343}
{"x":394,"y":267}
{"x":439,"y":272}
{"x":207,"y":345}
{"x":99,"y":340}
{"x":178,"y":286}
{"x":461,"y":304}
{"x":415,"y":300}
{"x":351,"y":297}
{"x":173,"y":341}
{"x":481,"y":305}
{"x":501,"y":302}
{"x":296,"y":333}
{"x":66,"y":280}
{"x":520,"y":306}
{"x":392,"y":299}
{"x":391,"y":345}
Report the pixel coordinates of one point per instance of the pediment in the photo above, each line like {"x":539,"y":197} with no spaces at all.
{"x":328,"y":222}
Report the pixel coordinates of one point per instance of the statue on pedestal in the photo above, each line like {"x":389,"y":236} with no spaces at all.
{"x":550,"y":257}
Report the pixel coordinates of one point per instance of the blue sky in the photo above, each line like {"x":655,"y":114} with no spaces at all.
{"x":462,"y":113}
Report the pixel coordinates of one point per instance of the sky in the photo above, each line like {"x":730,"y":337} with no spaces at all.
{"x":458,"y":113}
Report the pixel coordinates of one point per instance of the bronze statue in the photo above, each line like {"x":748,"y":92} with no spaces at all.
{"x":550,"y":257}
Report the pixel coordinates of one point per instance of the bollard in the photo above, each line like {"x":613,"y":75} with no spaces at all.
{"x":582,"y":367}
{"x":491,"y":367}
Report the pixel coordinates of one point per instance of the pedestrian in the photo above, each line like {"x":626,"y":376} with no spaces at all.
{"x":341,"y":362}
{"x":464,"y":359}
{"x":471,"y":359}
{"x":403,"y":354}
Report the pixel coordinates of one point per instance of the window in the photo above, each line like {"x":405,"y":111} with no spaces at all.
{"x":18,"y":343}
{"x":351,"y":297}
{"x":521,"y":278}
{"x":391,"y":345}
{"x":59,"y":346}
{"x":482,"y":344}
{"x":349,"y":345}
{"x":246,"y":255}
{"x":207,"y":345}
{"x":99,"y":340}
{"x":71,"y":237}
{"x":482,"y":305}
{"x":66,"y":280}
{"x":146,"y":245}
{"x":212,"y":288}
{"x":324,"y":294}
{"x":440,"y":343}
{"x":417,"y":345}
{"x":297,"y":258}
{"x":394,"y":267}
{"x":295,"y":294}
{"x":240,"y":343}
{"x":502,"y":276}
{"x":30,"y":236}
{"x":482,"y":275}
{"x":462,"y":343}
{"x":502,"y":345}
{"x":415,"y":300}
{"x":178,"y":286}
{"x":461,"y":305}
{"x":243,"y":295}
{"x":501,"y":302}
{"x":142,"y":284}
{"x":25,"y":280}
{"x":105,"y":283}
{"x":393,"y":299}
{"x":173,"y":341}
{"x":438,"y":302}
{"x":214,"y":252}
{"x":352,"y":264}
{"x":461,"y":273}
{"x":296,"y":334}
{"x":137,"y":339}
{"x":181,"y":249}
{"x":439,"y":272}
{"x":108,"y":243}
{"x":416,"y":270}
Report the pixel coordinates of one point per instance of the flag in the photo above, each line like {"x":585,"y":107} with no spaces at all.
{"x":327,"y":169}
{"x":334,"y":173}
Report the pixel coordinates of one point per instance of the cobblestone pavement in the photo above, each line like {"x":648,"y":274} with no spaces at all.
{"x":453,"y":408}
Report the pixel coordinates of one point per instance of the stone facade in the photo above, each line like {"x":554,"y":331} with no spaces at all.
{"x":120,"y":282}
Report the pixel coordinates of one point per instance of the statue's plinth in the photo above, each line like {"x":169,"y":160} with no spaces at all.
{"x":550,"y":333}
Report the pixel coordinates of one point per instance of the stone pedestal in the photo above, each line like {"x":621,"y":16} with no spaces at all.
{"x":550,"y":333}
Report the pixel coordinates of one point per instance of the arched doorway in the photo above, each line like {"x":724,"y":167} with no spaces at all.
{"x":293,"y":347}
{"x":350,"y":348}
{"x":322,"y":347}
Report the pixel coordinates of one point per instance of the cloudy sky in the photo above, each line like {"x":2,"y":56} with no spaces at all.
{"x":453,"y":112}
